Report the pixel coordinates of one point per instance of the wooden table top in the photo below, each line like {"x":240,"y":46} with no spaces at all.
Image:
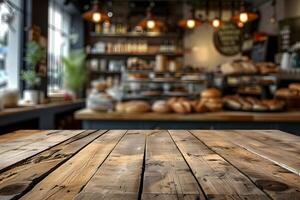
{"x":157,"y":164}
{"x":227,"y":116}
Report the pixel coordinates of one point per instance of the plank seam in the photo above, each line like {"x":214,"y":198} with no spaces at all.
{"x":143,"y":171}
{"x":291,"y":169}
{"x":43,"y":176}
{"x":19,"y":162}
{"x":232,"y":166}
{"x":83,"y":186}
{"x":202,"y":190}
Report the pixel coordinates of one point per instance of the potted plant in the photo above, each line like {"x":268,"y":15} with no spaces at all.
{"x":35,"y":53}
{"x":75,"y":73}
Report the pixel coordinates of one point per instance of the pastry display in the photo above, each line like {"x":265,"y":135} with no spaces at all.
{"x":237,"y":67}
{"x":250,"y":90}
{"x":136,"y":76}
{"x":295,"y":87}
{"x":161,"y":107}
{"x":286,"y":93}
{"x":290,"y":95}
{"x":252,"y":104}
{"x":133,"y":107}
{"x":267,"y":68}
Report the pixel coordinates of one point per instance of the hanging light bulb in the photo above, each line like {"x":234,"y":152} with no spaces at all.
{"x":150,"y":22}
{"x":216,"y":23}
{"x":191,"y":22}
{"x":244,"y":16}
{"x":95,"y":15}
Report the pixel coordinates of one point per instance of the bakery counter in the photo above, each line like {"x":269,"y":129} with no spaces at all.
{"x":40,"y":116}
{"x":286,"y":121}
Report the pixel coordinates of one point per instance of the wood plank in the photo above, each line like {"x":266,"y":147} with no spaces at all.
{"x":16,"y":181}
{"x":272,"y":179}
{"x":218,"y":178}
{"x":171,"y":197}
{"x":17,"y":140}
{"x":283,"y":152}
{"x":24,"y":151}
{"x":17,"y":135}
{"x":67,"y":180}
{"x":120,"y":175}
{"x":166,"y":172}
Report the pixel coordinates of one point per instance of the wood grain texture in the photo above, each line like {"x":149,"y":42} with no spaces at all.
{"x":31,"y":145}
{"x":67,"y":180}
{"x":14,"y":182}
{"x":271,"y":178}
{"x":218,"y":178}
{"x":149,"y":164}
{"x":120,"y":175}
{"x":280,"y":150}
{"x":166,"y":172}
{"x":9,"y":137}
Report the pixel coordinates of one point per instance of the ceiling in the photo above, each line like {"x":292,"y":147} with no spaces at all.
{"x":142,"y":5}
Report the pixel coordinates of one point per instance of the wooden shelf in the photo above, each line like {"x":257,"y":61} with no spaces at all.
{"x":133,"y":35}
{"x":96,"y":55}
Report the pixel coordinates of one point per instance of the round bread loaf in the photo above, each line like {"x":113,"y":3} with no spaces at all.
{"x":133,"y":107}
{"x":214,"y":105}
{"x":182,"y":107}
{"x":284,"y":92}
{"x":199,"y":106}
{"x":211,"y":93}
{"x":294,"y":86}
{"x":161,"y":107}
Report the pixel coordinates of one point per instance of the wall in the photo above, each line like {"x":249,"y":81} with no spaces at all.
{"x":292,"y":8}
{"x":200,"y":47}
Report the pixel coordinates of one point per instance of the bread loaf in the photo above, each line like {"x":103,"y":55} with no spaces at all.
{"x":161,"y":107}
{"x":133,"y":107}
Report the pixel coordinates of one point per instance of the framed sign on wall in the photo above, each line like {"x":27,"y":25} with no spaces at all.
{"x":228,"y":39}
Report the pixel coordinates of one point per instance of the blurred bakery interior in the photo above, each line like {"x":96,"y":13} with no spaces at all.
{"x":150,"y":64}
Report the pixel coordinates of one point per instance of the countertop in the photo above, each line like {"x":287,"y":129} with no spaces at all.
{"x":224,"y":116}
{"x":152,"y":164}
{"x":21,"y":109}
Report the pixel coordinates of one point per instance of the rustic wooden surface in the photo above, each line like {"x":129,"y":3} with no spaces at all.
{"x":224,"y":116}
{"x":149,"y":164}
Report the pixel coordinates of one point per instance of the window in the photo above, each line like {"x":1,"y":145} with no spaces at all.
{"x":58,"y":32}
{"x":10,"y":43}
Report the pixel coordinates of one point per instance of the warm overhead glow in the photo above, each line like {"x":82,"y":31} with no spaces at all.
{"x":216,"y":23}
{"x":190,"y":23}
{"x":150,"y":24}
{"x":244,"y":17}
{"x":240,"y":24}
{"x":96,"y":17}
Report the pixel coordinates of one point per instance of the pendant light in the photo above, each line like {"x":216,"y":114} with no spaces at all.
{"x":217,"y":21}
{"x":191,"y":22}
{"x":245,"y":16}
{"x":237,"y":22}
{"x":95,"y":14}
{"x":150,"y":22}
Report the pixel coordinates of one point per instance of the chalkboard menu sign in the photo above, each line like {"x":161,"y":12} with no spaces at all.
{"x":228,"y":39}
{"x":288,"y":33}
